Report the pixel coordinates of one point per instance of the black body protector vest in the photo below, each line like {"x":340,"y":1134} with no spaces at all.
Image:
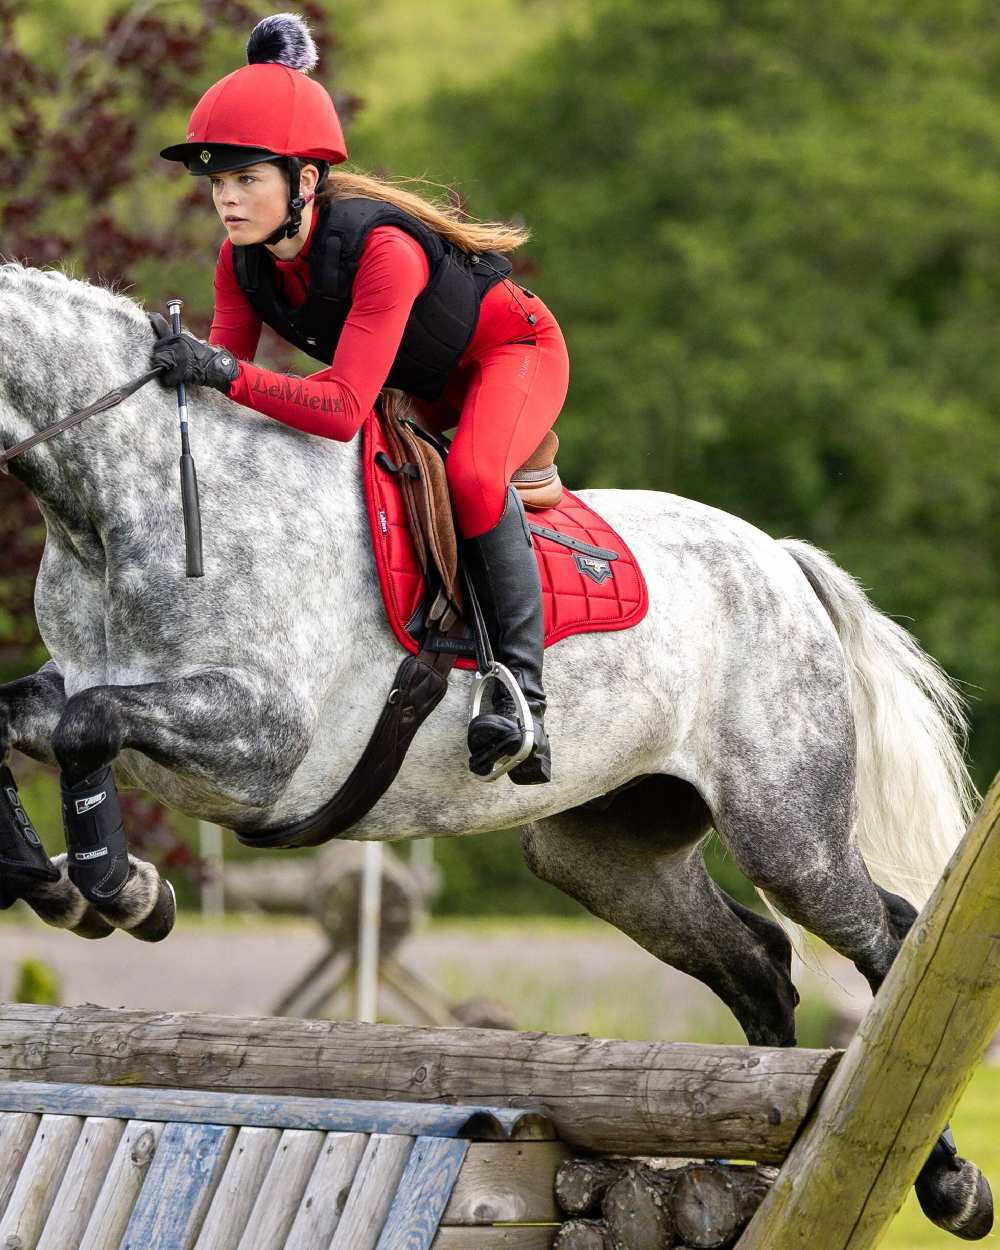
{"x":441,"y":322}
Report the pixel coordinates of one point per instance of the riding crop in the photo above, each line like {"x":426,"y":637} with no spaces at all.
{"x":189,"y":479}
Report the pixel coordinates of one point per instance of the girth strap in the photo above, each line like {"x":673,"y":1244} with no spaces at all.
{"x":419,"y":686}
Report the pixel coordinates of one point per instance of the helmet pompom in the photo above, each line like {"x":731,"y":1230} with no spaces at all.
{"x":282,"y":39}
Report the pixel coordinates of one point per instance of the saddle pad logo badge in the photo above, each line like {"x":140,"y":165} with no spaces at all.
{"x":87,"y":805}
{"x":597,"y":570}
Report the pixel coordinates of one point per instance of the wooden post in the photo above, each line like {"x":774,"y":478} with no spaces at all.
{"x":903,"y":1073}
{"x":369,"y":922}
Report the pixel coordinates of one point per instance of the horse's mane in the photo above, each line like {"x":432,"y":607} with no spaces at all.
{"x":52,"y":285}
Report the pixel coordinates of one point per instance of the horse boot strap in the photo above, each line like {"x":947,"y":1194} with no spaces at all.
{"x":95,"y":836}
{"x":22,"y":856}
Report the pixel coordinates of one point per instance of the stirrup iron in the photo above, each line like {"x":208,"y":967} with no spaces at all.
{"x":497,"y":672}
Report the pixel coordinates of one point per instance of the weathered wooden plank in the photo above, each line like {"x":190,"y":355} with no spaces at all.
{"x":17,"y":1132}
{"x":650,"y":1098}
{"x":506,"y":1181}
{"x":178,"y":1187}
{"x":374,"y":1188}
{"x":423,"y":1193}
{"x":327,"y":1192}
{"x":39,"y":1180}
{"x":82,"y":1183}
{"x":284,"y":1186}
{"x":238,"y":1188}
{"x":121,"y":1187}
{"x":184,"y":1106}
{"x":494,"y":1239}
{"x":905,"y":1069}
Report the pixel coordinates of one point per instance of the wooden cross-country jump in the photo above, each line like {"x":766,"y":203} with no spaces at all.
{"x":89,"y":1096}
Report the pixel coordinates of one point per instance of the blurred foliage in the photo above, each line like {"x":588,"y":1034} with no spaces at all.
{"x":37,"y":982}
{"x":768,"y":230}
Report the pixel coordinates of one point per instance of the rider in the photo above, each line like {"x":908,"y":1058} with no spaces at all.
{"x":385,"y":288}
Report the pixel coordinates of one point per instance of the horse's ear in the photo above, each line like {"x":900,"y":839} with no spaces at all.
{"x":160,"y":327}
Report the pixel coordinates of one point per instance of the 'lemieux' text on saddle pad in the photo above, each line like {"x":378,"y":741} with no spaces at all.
{"x":590,"y":579}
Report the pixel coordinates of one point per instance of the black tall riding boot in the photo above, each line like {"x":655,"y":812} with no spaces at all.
{"x":502,"y":567}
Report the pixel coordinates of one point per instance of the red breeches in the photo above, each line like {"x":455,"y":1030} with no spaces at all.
{"x":505,"y":399}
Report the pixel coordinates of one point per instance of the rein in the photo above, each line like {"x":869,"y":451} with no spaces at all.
{"x":111,"y":400}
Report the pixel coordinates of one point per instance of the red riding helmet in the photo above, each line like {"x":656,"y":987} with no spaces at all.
{"x":264,"y":111}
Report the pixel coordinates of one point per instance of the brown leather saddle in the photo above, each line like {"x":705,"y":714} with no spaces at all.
{"x":418,"y":458}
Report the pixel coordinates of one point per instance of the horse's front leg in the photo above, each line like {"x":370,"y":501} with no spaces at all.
{"x":225,"y":727}
{"x":30,"y":709}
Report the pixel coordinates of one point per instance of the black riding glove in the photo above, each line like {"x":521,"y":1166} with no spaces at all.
{"x":188,"y":359}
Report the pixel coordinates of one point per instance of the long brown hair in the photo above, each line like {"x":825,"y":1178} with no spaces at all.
{"x":447,"y":219}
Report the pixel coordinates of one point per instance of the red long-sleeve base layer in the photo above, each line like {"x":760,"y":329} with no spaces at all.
{"x":503,"y":395}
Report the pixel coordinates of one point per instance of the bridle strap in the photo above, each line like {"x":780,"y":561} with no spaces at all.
{"x":111,"y":400}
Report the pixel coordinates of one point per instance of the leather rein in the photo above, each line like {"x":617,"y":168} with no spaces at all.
{"x":111,"y":400}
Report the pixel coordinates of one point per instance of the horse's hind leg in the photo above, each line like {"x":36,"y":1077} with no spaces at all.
{"x":30,"y":709}
{"x":638,"y":864}
{"x":791,"y":834}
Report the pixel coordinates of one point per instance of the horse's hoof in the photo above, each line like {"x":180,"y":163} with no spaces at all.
{"x":957,"y":1198}
{"x":160,"y":920}
{"x":92,"y":925}
{"x":145,"y":907}
{"x":60,"y":904}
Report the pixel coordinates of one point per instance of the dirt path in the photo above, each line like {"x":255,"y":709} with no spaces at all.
{"x":586,"y":978}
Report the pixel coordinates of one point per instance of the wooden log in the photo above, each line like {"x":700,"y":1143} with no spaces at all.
{"x":179,"y":1185}
{"x":326,"y":1196}
{"x":636,"y":1210}
{"x":38,"y":1183}
{"x":712,"y":1203}
{"x":327,"y":885}
{"x":905,"y":1069}
{"x":17,"y":1132}
{"x":81,"y":1184}
{"x":121,"y":1187}
{"x":238,"y":1188}
{"x":379,"y":1173}
{"x":506,"y":1182}
{"x":279,"y":886}
{"x":582,"y":1235}
{"x":643,"y":1098}
{"x":580,"y":1184}
{"x":282,"y":1189}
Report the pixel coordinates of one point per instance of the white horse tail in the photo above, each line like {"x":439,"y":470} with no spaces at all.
{"x":915,"y":797}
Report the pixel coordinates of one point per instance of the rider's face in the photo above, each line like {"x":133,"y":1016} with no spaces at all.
{"x":252,"y":202}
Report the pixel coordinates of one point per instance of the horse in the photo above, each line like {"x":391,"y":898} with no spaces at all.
{"x":763,"y":695}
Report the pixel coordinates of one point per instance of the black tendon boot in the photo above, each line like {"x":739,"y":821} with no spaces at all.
{"x":23,"y":861}
{"x":501,"y":565}
{"x":125,"y":891}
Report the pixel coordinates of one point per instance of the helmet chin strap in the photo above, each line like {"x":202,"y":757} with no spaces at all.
{"x":295,"y":205}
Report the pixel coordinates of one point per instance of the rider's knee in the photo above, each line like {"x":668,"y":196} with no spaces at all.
{"x":478,"y":498}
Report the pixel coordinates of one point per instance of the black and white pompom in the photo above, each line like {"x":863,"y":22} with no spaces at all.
{"x":282,"y":39}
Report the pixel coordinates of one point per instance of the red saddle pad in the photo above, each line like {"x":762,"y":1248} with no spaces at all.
{"x":590,"y":580}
